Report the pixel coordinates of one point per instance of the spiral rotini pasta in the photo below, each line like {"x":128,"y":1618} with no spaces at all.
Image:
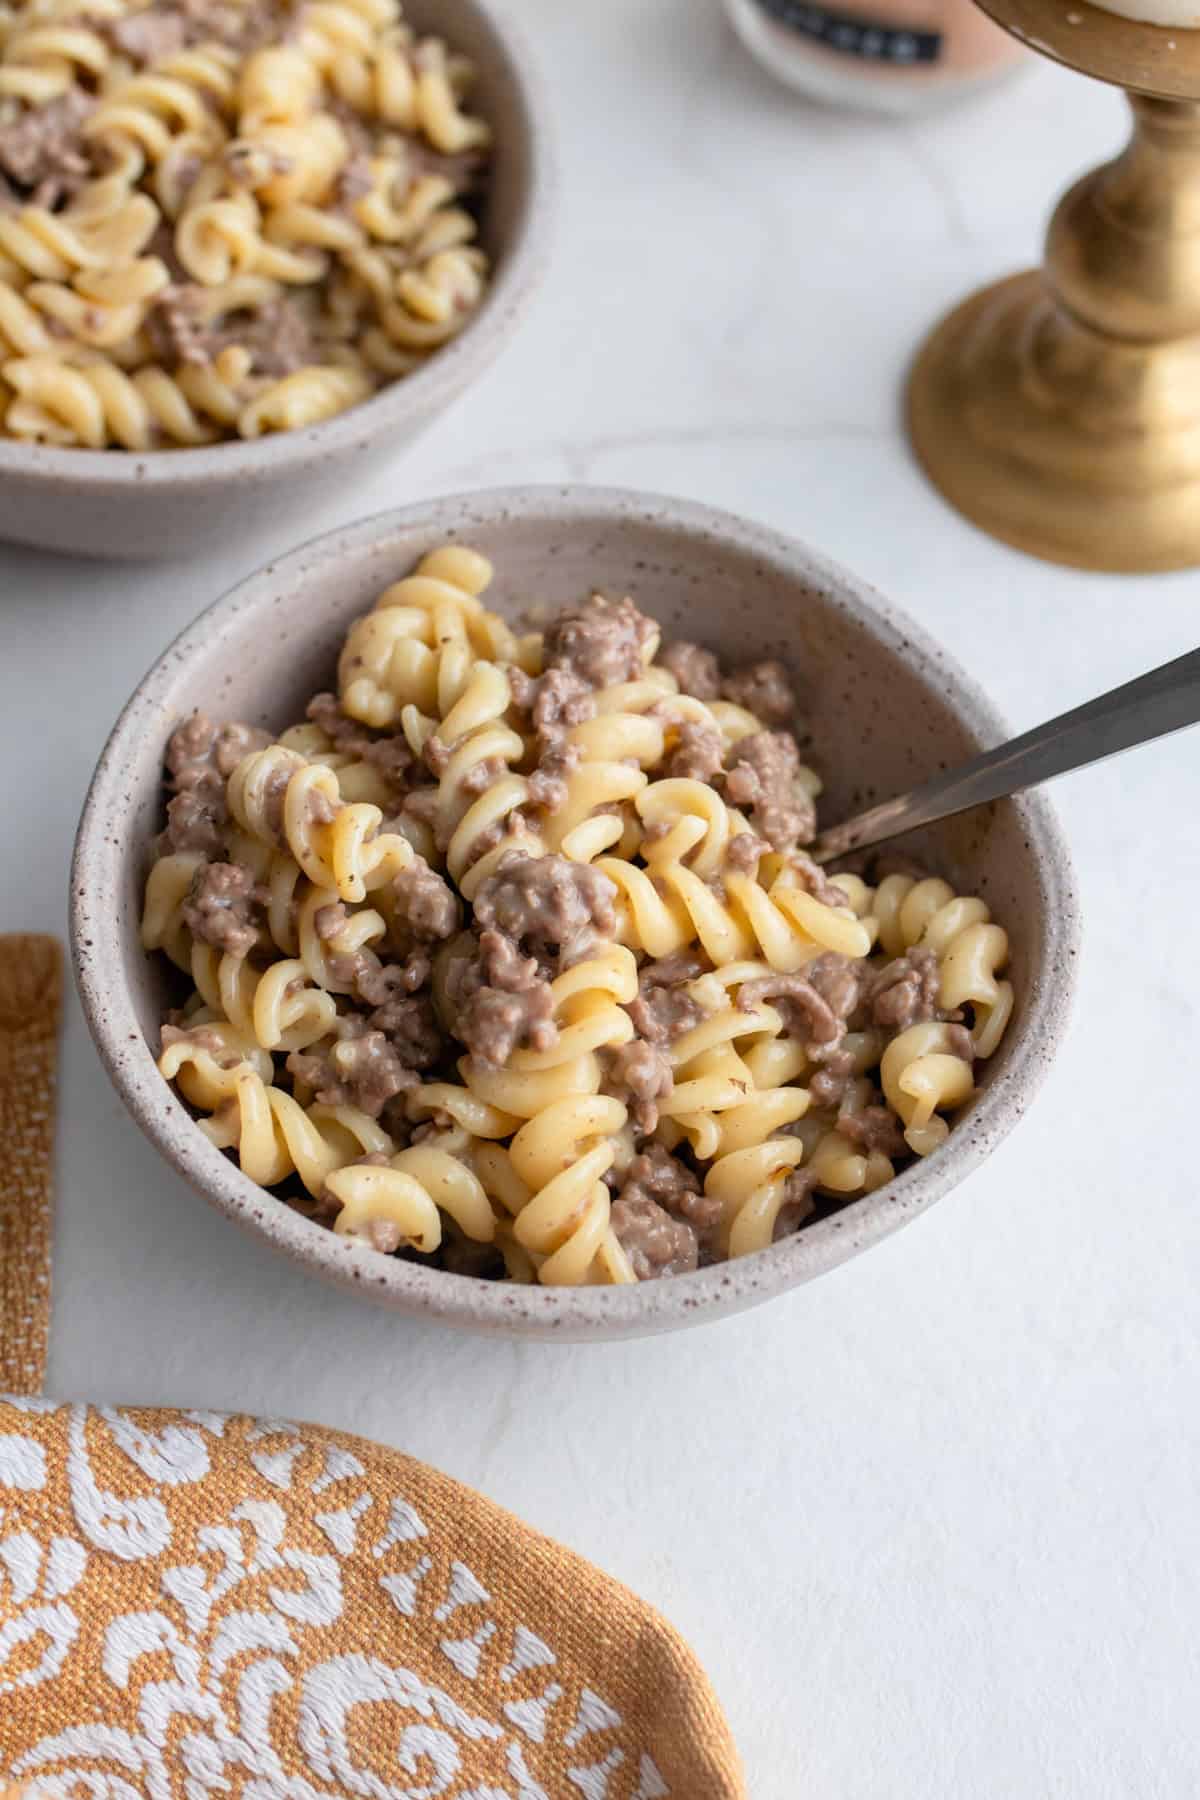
{"x":551,"y":1180}
{"x":281,"y":799}
{"x":189,"y":181}
{"x":419,"y":645}
{"x":510,"y":956}
{"x":409,"y":1194}
{"x":274,"y":1136}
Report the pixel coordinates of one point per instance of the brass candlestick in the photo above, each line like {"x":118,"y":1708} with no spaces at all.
{"x":1060,"y":409}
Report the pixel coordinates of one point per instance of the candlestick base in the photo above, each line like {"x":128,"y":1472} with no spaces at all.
{"x":1073,"y":446}
{"x":1060,"y":410}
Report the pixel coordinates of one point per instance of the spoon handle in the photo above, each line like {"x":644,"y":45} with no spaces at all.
{"x":1164,"y":700}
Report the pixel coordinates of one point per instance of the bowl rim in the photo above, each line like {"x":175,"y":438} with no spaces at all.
{"x":418,"y":396}
{"x":590,"y":1312}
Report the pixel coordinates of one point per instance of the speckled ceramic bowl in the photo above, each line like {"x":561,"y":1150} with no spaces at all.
{"x":885,"y":706}
{"x":171,"y":503}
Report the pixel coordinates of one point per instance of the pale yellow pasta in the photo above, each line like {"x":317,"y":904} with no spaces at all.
{"x":328,"y":959}
{"x":357,"y":780}
{"x":276,"y":86}
{"x":42,"y":63}
{"x":148,"y":111}
{"x":416,"y":214}
{"x":106,"y":311}
{"x":302,"y":399}
{"x":478,"y":791}
{"x":751,"y":1186}
{"x":22,"y":331}
{"x":431,"y":305}
{"x":526,"y":1092}
{"x":167,"y":887}
{"x":277,"y":1007}
{"x":551,"y":1178}
{"x":602,"y":1023}
{"x":284,"y":801}
{"x":419,"y":645}
{"x":274,"y":1136}
{"x":438,"y":80}
{"x":922,"y":1077}
{"x":694,"y":822}
{"x":207,"y":1062}
{"x":49,"y":246}
{"x":970,"y":949}
{"x":442,"y":1100}
{"x":97,"y":405}
{"x":790,"y":927}
{"x":765,"y":1093}
{"x":411,"y":1192}
{"x":295,"y":170}
{"x":838,"y":1165}
{"x":589,"y":1015}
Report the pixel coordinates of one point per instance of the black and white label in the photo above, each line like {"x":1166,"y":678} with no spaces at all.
{"x":853,"y":34}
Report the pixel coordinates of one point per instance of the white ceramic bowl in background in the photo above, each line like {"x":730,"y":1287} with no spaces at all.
{"x":884,"y":707}
{"x":171,"y":503}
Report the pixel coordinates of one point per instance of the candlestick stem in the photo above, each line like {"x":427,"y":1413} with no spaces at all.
{"x":1060,"y":409}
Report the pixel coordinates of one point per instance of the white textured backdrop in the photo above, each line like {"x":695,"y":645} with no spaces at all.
{"x":932,"y":1523}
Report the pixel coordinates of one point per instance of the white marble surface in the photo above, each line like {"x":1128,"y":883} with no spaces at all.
{"x":931,"y":1523}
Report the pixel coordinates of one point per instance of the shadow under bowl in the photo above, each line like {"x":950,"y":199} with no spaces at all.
{"x":882,"y":705}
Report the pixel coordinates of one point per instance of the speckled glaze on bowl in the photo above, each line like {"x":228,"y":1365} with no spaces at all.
{"x":885,"y":707}
{"x":171,"y":503}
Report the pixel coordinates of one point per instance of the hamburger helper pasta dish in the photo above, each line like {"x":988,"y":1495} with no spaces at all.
{"x":220,"y":218}
{"x":510,"y":956}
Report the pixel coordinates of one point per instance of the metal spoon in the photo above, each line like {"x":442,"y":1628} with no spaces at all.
{"x":1162,"y":701}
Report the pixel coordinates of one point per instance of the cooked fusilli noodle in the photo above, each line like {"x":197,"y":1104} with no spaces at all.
{"x":510,"y":956}
{"x":226,"y":217}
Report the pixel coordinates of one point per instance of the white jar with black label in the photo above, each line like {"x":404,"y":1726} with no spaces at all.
{"x":896,"y":56}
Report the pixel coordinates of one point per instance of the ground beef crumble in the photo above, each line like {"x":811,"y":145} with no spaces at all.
{"x":871,"y":1126}
{"x":812,"y":878}
{"x":655,"y":1243}
{"x":43,"y":150}
{"x":696,"y":670}
{"x":905,"y":992}
{"x":168,"y":26}
{"x":640,"y":1074}
{"x":220,"y":908}
{"x":603,"y":642}
{"x":498,"y":1000}
{"x":425,"y":905}
{"x":409,"y":1023}
{"x":200,"y":757}
{"x":360,"y":1069}
{"x":663,"y":1011}
{"x":828,"y":1083}
{"x":764,"y":776}
{"x":495,"y":1022}
{"x":149,"y":35}
{"x":277,"y":335}
{"x":664,"y":1221}
{"x":556,"y":702}
{"x":764,"y":689}
{"x":798,"y":1203}
{"x":814,"y":1004}
{"x":698,"y":753}
{"x":545,"y":902}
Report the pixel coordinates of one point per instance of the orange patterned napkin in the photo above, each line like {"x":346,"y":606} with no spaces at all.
{"x":194,"y":1604}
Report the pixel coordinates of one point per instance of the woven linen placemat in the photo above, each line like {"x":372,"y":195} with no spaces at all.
{"x":30,"y":1009}
{"x":196,"y":1603}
